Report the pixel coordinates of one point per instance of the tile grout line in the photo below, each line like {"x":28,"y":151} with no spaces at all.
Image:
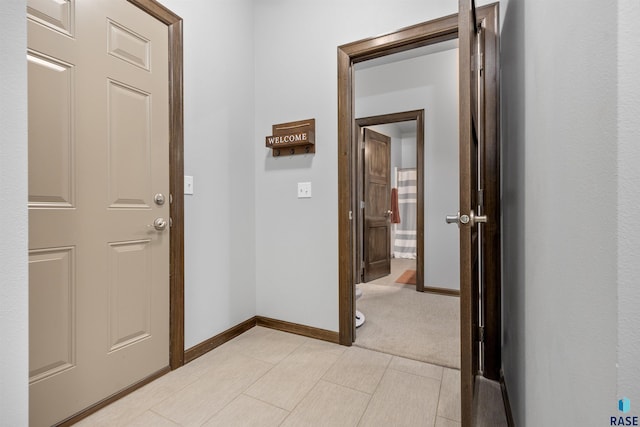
{"x":289,"y":411}
{"x":174,"y":392}
{"x":435,"y":415}
{"x":423,"y":376}
{"x":447,"y":418}
{"x":375,"y":389}
{"x":222,"y":409}
{"x":264,"y":401}
{"x":439,"y":397}
{"x":345,"y":386}
{"x":242,"y":392}
{"x":271,"y":332}
{"x":315,"y":384}
{"x":355,"y":344}
{"x":162,"y":416}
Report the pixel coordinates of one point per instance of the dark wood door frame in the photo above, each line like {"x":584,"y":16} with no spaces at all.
{"x":176,"y":176}
{"x":424,"y":34}
{"x":418,"y":117}
{"x":427,"y":33}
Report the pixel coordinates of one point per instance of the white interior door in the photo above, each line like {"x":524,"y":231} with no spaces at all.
{"x":98,"y":155}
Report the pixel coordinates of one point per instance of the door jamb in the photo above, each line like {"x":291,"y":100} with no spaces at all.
{"x":418,"y":117}
{"x":176,"y":176}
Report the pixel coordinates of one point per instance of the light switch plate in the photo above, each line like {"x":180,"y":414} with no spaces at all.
{"x":188,"y":184}
{"x":304,"y":190}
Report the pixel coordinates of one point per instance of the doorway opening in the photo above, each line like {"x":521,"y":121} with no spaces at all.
{"x":409,"y":120}
{"x":423,"y":171}
{"x":430,"y":33}
{"x":425,"y":326}
{"x":477,"y":30}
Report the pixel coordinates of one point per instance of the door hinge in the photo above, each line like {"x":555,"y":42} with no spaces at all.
{"x":477,"y":62}
{"x":362,"y":204}
{"x":480,"y":333}
{"x":350,"y":215}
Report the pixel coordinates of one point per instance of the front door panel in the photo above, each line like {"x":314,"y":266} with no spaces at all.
{"x":98,"y":153}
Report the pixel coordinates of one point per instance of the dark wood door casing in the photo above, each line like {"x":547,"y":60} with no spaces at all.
{"x":427,"y":33}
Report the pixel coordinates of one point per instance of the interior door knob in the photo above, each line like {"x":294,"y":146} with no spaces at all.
{"x":471,"y":219}
{"x":477,"y":219}
{"x":453,"y":219}
{"x":480,"y":218}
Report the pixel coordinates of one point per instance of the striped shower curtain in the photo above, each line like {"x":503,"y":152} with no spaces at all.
{"x":404,"y":245}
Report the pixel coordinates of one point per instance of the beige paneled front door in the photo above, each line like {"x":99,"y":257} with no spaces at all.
{"x":98,"y":156}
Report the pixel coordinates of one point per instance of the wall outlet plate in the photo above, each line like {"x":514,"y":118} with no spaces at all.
{"x":304,"y":190}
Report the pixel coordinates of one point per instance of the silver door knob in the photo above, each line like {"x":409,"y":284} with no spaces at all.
{"x":388,"y":213}
{"x":159,"y":199}
{"x":480,"y":218}
{"x":453,"y":219}
{"x":477,"y":219}
{"x":159,"y":224}
{"x":471,"y":219}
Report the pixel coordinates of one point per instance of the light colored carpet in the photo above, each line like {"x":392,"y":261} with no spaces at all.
{"x":415,"y":325}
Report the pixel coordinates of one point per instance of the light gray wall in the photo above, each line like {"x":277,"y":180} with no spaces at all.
{"x":396,"y":156}
{"x":428,"y":82}
{"x":628,"y":202}
{"x":560,"y":145}
{"x":295,"y":64}
{"x":409,"y":153}
{"x":218,"y":153}
{"x":514,"y":350}
{"x":14,"y":298}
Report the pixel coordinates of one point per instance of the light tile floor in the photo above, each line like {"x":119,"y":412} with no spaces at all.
{"x":271,"y":378}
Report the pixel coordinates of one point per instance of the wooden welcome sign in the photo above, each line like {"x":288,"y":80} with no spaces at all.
{"x":293,"y":138}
